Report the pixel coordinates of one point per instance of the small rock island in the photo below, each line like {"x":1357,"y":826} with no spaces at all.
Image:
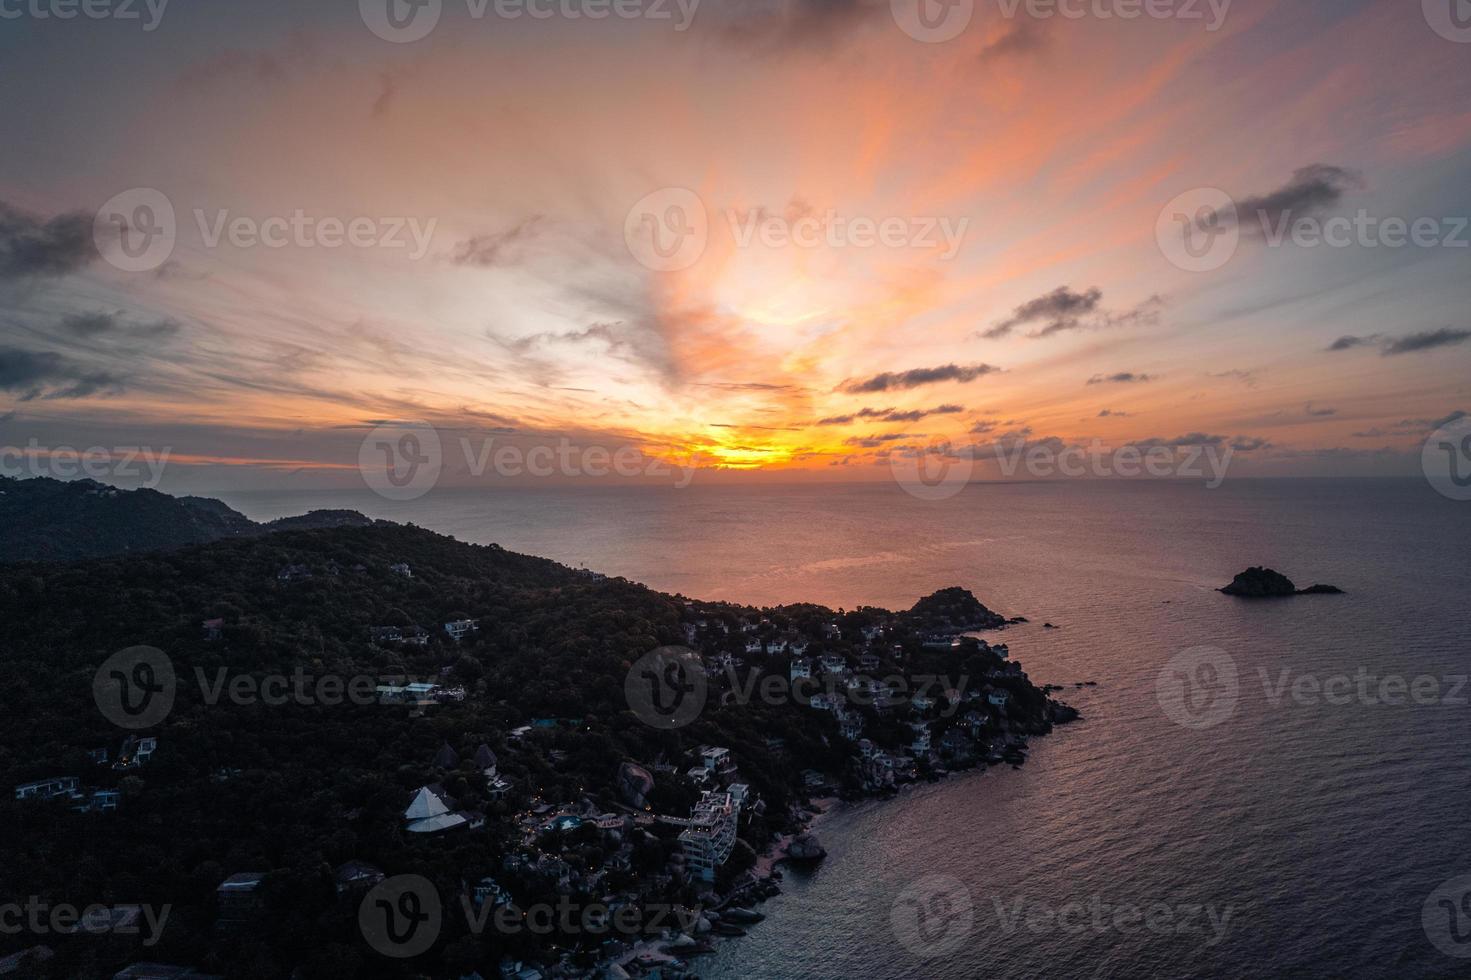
{"x":1265,"y":583}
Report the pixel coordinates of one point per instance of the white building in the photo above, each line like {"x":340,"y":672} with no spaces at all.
{"x":428,"y":813}
{"x":717,"y":759}
{"x":459,"y":628}
{"x":711,"y":834}
{"x":49,"y":789}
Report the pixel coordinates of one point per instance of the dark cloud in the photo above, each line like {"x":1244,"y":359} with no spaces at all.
{"x":1110,"y":413}
{"x":891,"y":415}
{"x":100,"y":325}
{"x":1060,"y":309}
{"x":496,"y":249}
{"x":1350,"y":342}
{"x":1319,"y":412}
{"x":31,"y":246}
{"x":917,"y":377}
{"x":1428,"y":340}
{"x":983,"y":427}
{"x":1247,"y":444}
{"x":1455,"y":416}
{"x":1063,"y":310}
{"x":875,"y":441}
{"x":1312,"y":190}
{"x":1192,"y":439}
{"x":1408,"y":344}
{"x":1121,"y":378}
{"x":777,"y":24}
{"x":45,"y":376}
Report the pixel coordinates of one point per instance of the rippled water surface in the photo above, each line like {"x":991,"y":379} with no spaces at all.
{"x":1313,"y":826}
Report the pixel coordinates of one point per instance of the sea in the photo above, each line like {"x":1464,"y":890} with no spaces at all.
{"x":1273,"y":788}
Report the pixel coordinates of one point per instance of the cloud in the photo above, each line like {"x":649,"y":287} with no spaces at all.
{"x":1061,"y":309}
{"x":917,"y":377}
{"x":1455,"y":416}
{"x":1408,"y":344}
{"x":633,"y":343}
{"x":496,"y":249}
{"x":47,"y":376}
{"x":1428,"y":340}
{"x":875,"y":441}
{"x":30,"y":246}
{"x":1319,"y":412}
{"x":1312,"y":190}
{"x":1110,"y":413}
{"x":1350,"y":342}
{"x":1247,"y":444}
{"x":797,"y":23}
{"x":1121,"y":378}
{"x":891,"y":415}
{"x":1414,"y":427}
{"x":1246,"y":377}
{"x":99,"y":325}
{"x":1192,"y":439}
{"x":1024,"y":36}
{"x":983,"y":427}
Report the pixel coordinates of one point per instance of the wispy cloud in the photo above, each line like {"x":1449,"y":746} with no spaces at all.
{"x":891,"y":415}
{"x":1407,"y":344}
{"x":918,"y":377}
{"x":496,"y":248}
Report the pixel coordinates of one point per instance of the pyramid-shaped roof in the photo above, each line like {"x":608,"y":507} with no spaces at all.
{"x":446,"y":757}
{"x":484,"y":757}
{"x":426,"y":804}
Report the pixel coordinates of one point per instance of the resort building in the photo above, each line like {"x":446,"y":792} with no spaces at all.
{"x":717,"y":759}
{"x":430,"y":813}
{"x":49,"y":789}
{"x":239,"y":897}
{"x":711,"y":834}
{"x":459,"y":628}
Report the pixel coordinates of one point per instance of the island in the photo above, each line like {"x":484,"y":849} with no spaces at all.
{"x":1265,"y":583}
{"x":361,"y":704}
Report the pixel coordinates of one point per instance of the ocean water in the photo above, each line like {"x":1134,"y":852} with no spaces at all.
{"x":1290,"y":826}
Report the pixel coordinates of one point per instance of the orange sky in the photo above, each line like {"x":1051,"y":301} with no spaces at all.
{"x":1023,"y":162}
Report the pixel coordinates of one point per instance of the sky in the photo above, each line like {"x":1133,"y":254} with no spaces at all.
{"x":790,"y":239}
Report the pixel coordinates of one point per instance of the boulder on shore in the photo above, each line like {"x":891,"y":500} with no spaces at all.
{"x":805,"y":848}
{"x":1265,"y":583}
